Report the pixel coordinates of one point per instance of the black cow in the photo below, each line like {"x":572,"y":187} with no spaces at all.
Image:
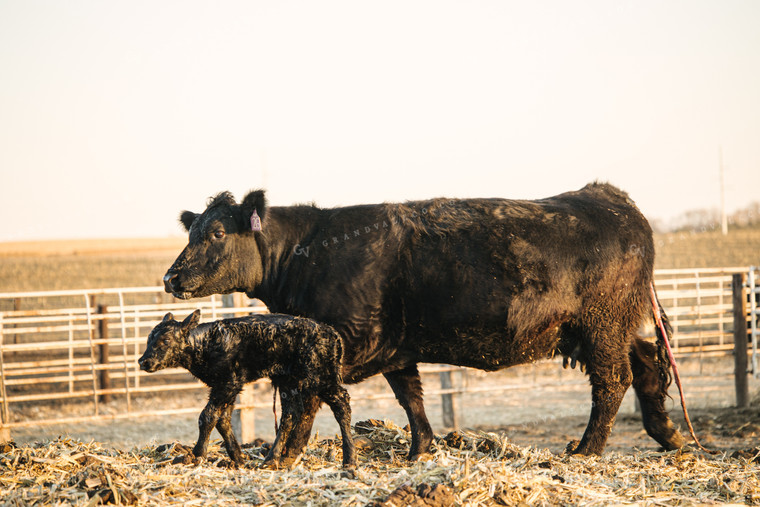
{"x":484,"y":283}
{"x":301,"y":357}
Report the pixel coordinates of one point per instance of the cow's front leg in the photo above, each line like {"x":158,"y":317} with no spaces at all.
{"x":407,"y":387}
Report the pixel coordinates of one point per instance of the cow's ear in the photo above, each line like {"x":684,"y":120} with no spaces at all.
{"x":192,"y":320}
{"x":187,"y":218}
{"x":255,"y":200}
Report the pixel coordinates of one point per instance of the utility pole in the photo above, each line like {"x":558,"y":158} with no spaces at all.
{"x":723,"y":217}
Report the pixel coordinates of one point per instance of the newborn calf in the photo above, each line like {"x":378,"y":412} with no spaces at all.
{"x":300,"y":356}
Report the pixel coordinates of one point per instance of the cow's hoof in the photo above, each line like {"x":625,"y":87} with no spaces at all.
{"x":422,"y":456}
{"x":675,"y":442}
{"x":572,"y":446}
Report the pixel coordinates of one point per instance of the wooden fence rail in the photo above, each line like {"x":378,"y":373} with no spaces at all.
{"x":64,"y":346}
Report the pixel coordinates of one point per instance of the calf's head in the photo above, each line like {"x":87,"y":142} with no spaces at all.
{"x":168,"y":342}
{"x":222,"y":254}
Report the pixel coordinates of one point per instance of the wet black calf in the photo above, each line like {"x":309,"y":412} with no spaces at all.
{"x":300,"y":356}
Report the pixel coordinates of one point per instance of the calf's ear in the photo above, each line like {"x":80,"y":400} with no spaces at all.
{"x":192,"y":320}
{"x":169,"y":316}
{"x":254,"y":200}
{"x":187,"y":218}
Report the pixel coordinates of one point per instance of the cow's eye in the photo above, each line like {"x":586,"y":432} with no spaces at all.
{"x":219,"y":234}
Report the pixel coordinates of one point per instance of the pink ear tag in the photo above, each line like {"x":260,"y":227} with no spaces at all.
{"x":255,"y":221}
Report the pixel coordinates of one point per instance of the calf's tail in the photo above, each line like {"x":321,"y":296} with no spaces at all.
{"x":665,"y":357}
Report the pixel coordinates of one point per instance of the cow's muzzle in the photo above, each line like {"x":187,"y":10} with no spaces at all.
{"x":173,"y":286}
{"x":171,"y":282}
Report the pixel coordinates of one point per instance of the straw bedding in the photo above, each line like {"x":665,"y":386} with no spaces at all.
{"x":464,"y":468}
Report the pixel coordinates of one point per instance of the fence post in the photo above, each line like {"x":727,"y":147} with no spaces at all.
{"x":16,"y":308}
{"x":104,"y":377}
{"x":448,"y":406}
{"x":228,"y":301}
{"x":740,"y":339}
{"x":247,"y":415}
{"x":5,"y":432}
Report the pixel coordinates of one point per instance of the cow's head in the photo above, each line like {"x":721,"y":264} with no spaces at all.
{"x":167,"y":343}
{"x":222,"y":254}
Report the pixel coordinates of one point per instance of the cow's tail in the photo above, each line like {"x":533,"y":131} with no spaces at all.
{"x":664,"y":335}
{"x":665,"y":357}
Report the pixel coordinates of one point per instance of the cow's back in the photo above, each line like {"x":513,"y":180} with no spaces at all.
{"x":490,"y":282}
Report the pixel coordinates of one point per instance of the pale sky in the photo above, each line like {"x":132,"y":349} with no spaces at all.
{"x":115,"y":116}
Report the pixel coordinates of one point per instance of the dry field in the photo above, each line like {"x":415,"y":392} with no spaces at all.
{"x":85,"y":264}
{"x":708,"y":249}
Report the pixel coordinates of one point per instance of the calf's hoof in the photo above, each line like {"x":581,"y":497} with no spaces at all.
{"x":271,"y":464}
{"x":229,"y":463}
{"x":278,"y":464}
{"x":348,"y":472}
{"x":237,"y":460}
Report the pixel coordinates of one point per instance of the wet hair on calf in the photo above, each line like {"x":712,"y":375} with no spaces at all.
{"x":301,"y":357}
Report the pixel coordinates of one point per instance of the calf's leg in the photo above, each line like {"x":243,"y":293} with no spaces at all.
{"x":407,"y":387}
{"x":651,"y":393}
{"x":292,"y":410}
{"x":224,"y":426}
{"x":206,"y":422}
{"x":338,"y":400}
{"x":220,"y":403}
{"x":299,"y":436}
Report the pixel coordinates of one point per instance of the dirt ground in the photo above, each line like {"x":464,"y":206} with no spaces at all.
{"x":542,"y":406}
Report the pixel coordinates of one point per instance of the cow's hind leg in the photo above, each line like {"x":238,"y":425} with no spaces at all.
{"x":609,"y":370}
{"x":407,"y":387}
{"x":651,"y":393}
